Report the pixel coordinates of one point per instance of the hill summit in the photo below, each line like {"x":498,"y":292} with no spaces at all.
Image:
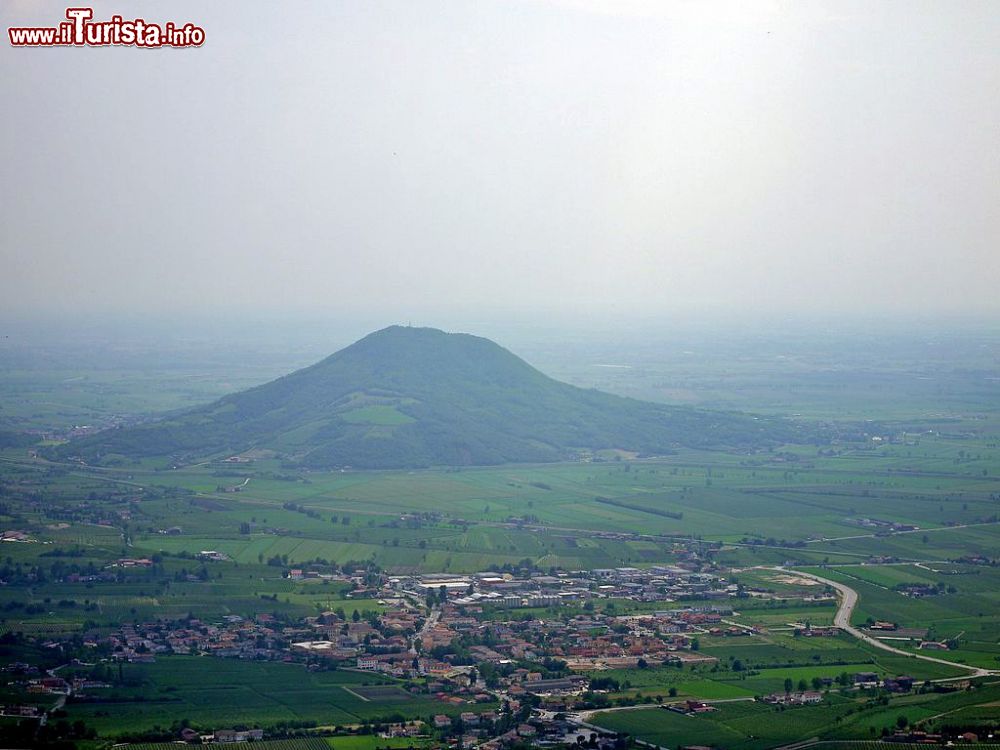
{"x":412,"y":397}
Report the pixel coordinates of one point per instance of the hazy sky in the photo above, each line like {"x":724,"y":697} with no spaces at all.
{"x":416,"y":159}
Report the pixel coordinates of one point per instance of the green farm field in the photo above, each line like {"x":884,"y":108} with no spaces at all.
{"x":744,"y":724}
{"x":763,"y":510}
{"x":202,"y":689}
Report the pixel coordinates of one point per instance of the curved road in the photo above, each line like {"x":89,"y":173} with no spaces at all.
{"x":842,"y":620}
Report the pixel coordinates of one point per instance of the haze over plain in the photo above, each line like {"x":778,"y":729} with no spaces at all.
{"x":447,"y":160}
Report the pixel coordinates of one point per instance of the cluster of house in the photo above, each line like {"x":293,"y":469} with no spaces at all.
{"x":916,"y":737}
{"x":513,"y":724}
{"x":330,"y":634}
{"x":221,"y":736}
{"x":15,"y":535}
{"x":400,"y":643}
{"x":234,"y":636}
{"x":800,"y":698}
{"x":389,"y":643}
{"x":32,"y":681}
{"x":105,"y":576}
{"x":381,"y":643}
{"x":585,"y":642}
{"x":892,"y":631}
{"x":976,"y":560}
{"x":659,"y":583}
{"x":93,"y":511}
{"x":690,"y":708}
{"x":919,"y":737}
{"x":884,"y":626}
{"x":863,"y":680}
{"x":551,"y":731}
{"x":303,"y":574}
{"x":810,"y":631}
{"x":490,"y":731}
{"x":901,"y":684}
{"x":933,"y":646}
{"x":22,"y":711}
{"x":918,"y":590}
{"x":48,"y":685}
{"x":881,"y":525}
{"x":224,"y":735}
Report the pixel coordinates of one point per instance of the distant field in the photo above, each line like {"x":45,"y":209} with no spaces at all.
{"x":765,"y":509}
{"x":746,"y":725}
{"x":707,"y":495}
{"x":741,"y":726}
{"x":373,"y":742}
{"x":203,"y":689}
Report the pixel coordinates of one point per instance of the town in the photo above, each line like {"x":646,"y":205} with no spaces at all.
{"x":510,"y":658}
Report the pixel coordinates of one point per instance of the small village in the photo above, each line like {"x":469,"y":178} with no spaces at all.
{"x":510,"y":659}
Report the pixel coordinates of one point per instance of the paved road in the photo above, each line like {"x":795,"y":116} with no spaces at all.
{"x":907,"y":531}
{"x":842,"y":620}
{"x":583,"y":717}
{"x":430,"y":622}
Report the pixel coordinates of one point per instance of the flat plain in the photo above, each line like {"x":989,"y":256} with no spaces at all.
{"x":907,"y":517}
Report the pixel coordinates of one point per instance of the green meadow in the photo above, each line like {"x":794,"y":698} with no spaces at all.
{"x":757,"y":726}
{"x":202,"y":689}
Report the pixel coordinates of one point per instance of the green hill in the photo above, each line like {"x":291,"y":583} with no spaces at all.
{"x":412,"y":397}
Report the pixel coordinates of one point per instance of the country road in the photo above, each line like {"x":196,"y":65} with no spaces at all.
{"x":588,"y":714}
{"x":842,"y":620}
{"x":907,"y":531}
{"x":430,"y":622}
